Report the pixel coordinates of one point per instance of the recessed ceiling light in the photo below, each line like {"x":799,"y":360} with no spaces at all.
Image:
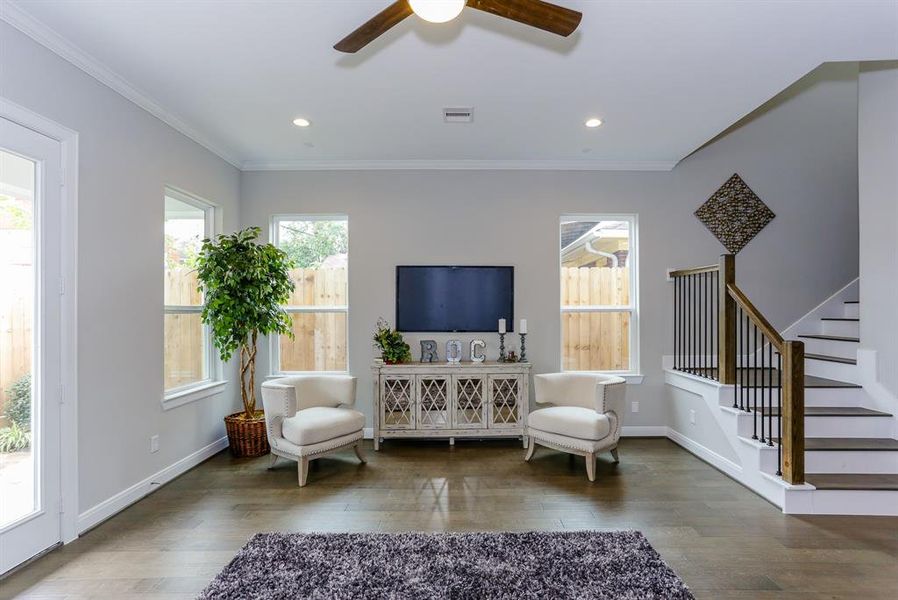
{"x":300,"y":122}
{"x":593,"y":122}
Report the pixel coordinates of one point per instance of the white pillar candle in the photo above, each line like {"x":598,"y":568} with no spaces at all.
{"x":501,"y":325}
{"x":523,"y":326}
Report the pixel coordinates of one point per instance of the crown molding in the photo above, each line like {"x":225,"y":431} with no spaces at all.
{"x":53,"y":41}
{"x":459,"y":165}
{"x":50,"y":39}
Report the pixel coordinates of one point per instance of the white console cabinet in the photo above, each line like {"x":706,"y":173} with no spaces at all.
{"x":450,"y":400}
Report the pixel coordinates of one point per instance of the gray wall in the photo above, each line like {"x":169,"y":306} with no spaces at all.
{"x":878,"y":201}
{"x":798,"y":154}
{"x":127,"y":156}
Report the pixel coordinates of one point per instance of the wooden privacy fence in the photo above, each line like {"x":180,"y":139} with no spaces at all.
{"x":16,"y":302}
{"x":320,"y":327}
{"x":595,"y":340}
{"x":319,"y":323}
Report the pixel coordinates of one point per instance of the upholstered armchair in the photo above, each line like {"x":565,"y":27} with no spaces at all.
{"x":308,"y":417}
{"x":584,"y":417}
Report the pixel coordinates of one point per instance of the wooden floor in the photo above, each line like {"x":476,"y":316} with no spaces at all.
{"x":723,"y":540}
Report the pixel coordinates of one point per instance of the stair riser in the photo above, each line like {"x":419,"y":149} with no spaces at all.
{"x":855,"y":502}
{"x":830,"y":347}
{"x":838,"y":461}
{"x":832,"y":427}
{"x":834,"y":397}
{"x":852,"y":311}
{"x":832,"y":370}
{"x":859,"y":461}
{"x":843,"y":328}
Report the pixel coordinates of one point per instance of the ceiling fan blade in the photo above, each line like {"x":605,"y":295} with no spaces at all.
{"x":543,"y":15}
{"x":375,"y":27}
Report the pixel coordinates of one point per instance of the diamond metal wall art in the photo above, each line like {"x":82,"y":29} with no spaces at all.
{"x":734,"y":214}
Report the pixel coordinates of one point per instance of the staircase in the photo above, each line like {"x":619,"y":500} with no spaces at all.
{"x":849,"y":447}
{"x":791,"y":418}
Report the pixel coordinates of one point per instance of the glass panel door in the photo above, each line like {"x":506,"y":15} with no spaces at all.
{"x":17,"y":465}
{"x":30,"y":277}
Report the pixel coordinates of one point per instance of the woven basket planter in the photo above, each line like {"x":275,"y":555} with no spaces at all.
{"x":247,"y":438}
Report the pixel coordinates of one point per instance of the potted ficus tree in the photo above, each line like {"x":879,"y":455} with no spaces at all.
{"x":245,"y":285}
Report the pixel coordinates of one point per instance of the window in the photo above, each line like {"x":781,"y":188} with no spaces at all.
{"x":319,"y":305}
{"x":189,"y":356}
{"x":599,"y":293}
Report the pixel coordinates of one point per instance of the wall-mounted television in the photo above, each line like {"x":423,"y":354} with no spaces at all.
{"x":456,"y":299}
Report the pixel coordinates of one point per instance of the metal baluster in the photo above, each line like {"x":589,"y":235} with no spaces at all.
{"x":754,"y":391}
{"x":747,"y":373}
{"x":763,"y":389}
{"x":676,"y":340}
{"x":779,"y":403}
{"x":699,"y":361}
{"x":770,"y":397}
{"x":691,"y":333}
{"x":737,"y":388}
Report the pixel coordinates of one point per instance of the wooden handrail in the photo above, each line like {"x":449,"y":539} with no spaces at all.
{"x":792,"y":383}
{"x":694,"y":271}
{"x":730,"y":299}
{"x":755,"y":315}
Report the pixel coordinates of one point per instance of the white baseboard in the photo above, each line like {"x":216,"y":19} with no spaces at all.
{"x":643,"y":431}
{"x":720,"y":462}
{"x":117,"y":503}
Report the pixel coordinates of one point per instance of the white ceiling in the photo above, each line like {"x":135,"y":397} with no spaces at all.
{"x":665,"y":76}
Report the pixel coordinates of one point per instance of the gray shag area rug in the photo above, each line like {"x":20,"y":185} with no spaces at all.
{"x":543,"y":565}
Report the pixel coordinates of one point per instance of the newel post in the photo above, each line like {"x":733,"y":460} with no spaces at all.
{"x":726,"y":321}
{"x":792,"y":413}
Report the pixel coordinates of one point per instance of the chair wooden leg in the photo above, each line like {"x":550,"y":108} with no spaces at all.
{"x":358,"y":453}
{"x":272,"y":461}
{"x":302,"y":470}
{"x":615,"y":455}
{"x":530,"y":451}
{"x":591,"y":466}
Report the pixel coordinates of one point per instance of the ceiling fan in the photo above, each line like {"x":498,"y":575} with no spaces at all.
{"x":536,"y":13}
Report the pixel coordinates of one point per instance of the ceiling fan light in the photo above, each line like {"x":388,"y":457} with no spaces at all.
{"x":437,"y":11}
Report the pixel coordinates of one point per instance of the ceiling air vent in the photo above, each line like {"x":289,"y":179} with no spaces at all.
{"x":458,"y":115}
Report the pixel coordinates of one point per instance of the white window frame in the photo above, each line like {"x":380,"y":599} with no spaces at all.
{"x":274,"y":340}
{"x":214,"y":383}
{"x":632,"y":375}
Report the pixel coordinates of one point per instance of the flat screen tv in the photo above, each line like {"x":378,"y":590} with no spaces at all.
{"x":462,"y":299}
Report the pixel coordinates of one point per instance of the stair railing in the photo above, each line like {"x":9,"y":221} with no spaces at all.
{"x":720,"y":335}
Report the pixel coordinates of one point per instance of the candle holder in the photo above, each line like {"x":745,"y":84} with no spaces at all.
{"x":523,"y":348}
{"x":501,"y":347}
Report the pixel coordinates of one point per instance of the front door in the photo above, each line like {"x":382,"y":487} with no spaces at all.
{"x":30,"y":326}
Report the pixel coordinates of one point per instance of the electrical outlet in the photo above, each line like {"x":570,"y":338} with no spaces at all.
{"x":154,"y":444}
{"x":635,"y":407}
{"x":692,"y":417}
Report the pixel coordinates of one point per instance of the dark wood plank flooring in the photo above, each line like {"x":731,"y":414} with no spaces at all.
{"x":722,"y":539}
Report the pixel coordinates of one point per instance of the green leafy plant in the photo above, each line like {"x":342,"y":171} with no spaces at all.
{"x":393,"y":348}
{"x":18,"y":402}
{"x":14,"y":438}
{"x":244,"y":285}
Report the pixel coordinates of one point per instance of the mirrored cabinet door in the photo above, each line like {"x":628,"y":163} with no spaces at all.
{"x":397,"y":402}
{"x":433,"y":401}
{"x":469,"y":410}
{"x":505,"y":401}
